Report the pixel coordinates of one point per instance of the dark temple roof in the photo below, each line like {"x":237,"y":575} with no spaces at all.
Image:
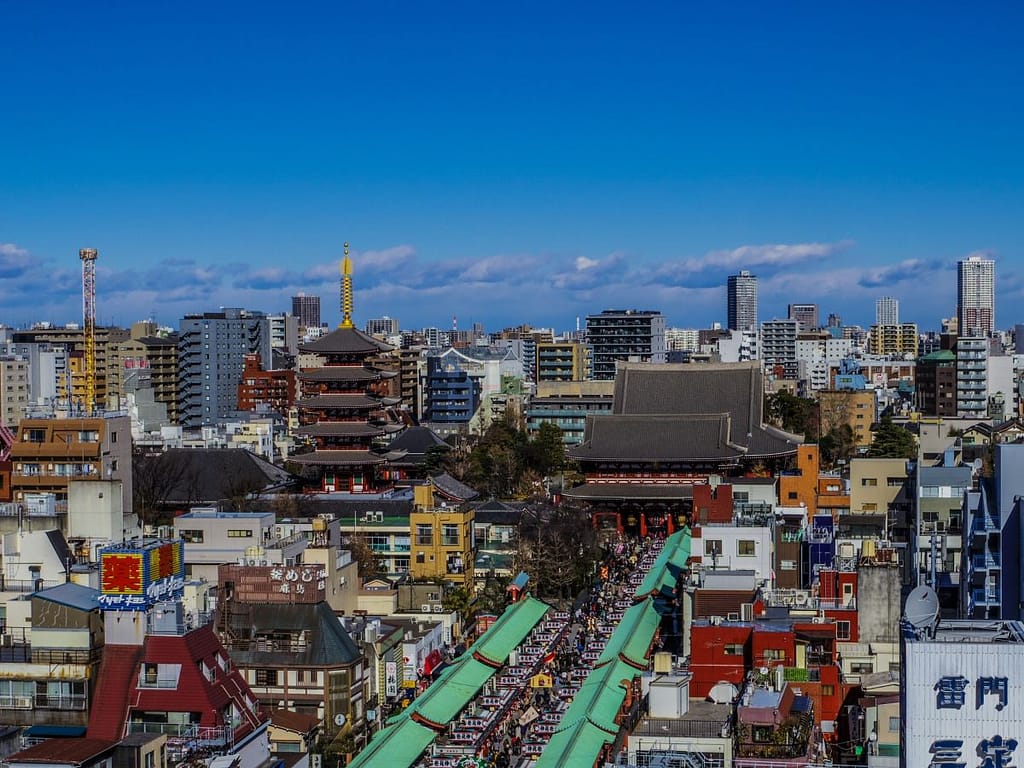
{"x":452,"y":488}
{"x":196,"y":475}
{"x":345,"y":341}
{"x":681,"y":413}
{"x":327,"y":644}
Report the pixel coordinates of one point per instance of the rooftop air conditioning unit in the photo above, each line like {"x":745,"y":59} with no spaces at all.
{"x":425,"y":608}
{"x":438,"y":608}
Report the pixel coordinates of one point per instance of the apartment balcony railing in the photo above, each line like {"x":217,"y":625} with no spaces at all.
{"x":205,"y":736}
{"x":986,"y":561}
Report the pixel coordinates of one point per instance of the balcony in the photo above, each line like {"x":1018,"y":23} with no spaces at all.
{"x":204,"y":736}
{"x":985,"y":561}
{"x":987,"y":596}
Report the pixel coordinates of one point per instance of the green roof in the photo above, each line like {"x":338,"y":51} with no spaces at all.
{"x":632,"y":638}
{"x":509,"y":630}
{"x":402,"y":741}
{"x":399,"y":745}
{"x":940,"y":356}
{"x":452,"y":691}
{"x":575,"y":748}
{"x":589,"y":722}
{"x":669,"y":564}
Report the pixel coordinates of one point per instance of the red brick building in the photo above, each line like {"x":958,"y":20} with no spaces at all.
{"x":275,"y":389}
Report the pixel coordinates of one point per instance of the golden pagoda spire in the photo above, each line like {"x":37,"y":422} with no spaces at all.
{"x":346,"y":291}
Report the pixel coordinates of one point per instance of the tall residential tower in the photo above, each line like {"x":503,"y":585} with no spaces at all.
{"x":887,"y":311}
{"x":975,"y":296}
{"x":742,"y":301}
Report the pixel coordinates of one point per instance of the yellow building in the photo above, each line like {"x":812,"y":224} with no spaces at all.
{"x":894,"y":339}
{"x":442,"y":535}
{"x":855,"y":407}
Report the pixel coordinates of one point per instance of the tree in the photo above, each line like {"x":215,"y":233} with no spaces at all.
{"x":892,"y":441}
{"x":797,"y":415}
{"x":367,"y":561}
{"x":438,"y":460}
{"x":156,"y":479}
{"x":557,"y":547}
{"x":460,"y":601}
{"x":838,"y":444}
{"x":546,"y":451}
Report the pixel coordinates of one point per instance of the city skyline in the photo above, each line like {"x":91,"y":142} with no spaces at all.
{"x":534,"y":166}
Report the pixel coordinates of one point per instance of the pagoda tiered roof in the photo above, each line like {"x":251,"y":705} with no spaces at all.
{"x":345,"y":341}
{"x":339,"y":400}
{"x":341,"y":429}
{"x":344,"y":373}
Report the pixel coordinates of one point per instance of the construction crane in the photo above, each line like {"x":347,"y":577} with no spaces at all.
{"x":88,"y":257}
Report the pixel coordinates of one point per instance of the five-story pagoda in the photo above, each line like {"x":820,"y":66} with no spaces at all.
{"x":344,"y":408}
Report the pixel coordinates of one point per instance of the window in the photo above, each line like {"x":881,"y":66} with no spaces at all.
{"x":266,"y":677}
{"x":450,"y":535}
{"x":774,"y":654}
{"x":894,"y":482}
{"x":424,"y":534}
{"x":894,"y":724}
{"x":113,"y":437}
{"x":240,"y":533}
{"x":746,"y":547}
{"x":828,"y":690}
{"x":789,"y":565}
{"x":733,"y":649}
{"x":793,"y":495}
{"x":713,"y":547}
{"x":159,"y":675}
{"x":862,"y":667}
{"x":761,"y":734}
{"x":842,"y":630}
{"x":868,"y":482}
{"x":191,"y":537}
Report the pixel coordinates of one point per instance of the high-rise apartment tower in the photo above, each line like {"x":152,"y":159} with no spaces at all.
{"x":742,"y":301}
{"x":887,"y":311}
{"x":307,"y":309}
{"x":976,"y":296}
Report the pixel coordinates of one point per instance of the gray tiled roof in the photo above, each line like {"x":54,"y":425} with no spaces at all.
{"x":630,"y":491}
{"x":345,"y":341}
{"x":341,"y":373}
{"x":210,"y":474}
{"x":679,"y":413}
{"x":328,"y":643}
{"x":337,"y":458}
{"x":451,"y":487}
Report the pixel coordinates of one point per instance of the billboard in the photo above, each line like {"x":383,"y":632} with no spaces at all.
{"x":134,"y":576}
{"x":964,"y":703}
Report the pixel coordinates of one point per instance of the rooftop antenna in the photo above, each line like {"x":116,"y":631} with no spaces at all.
{"x":346,"y":291}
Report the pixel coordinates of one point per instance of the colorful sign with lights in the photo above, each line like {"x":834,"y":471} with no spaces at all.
{"x":133,"y":577}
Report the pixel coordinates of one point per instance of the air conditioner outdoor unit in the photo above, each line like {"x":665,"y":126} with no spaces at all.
{"x":425,"y":608}
{"x":438,"y":608}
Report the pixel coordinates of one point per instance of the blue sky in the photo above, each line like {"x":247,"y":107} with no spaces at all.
{"x":528,"y":162}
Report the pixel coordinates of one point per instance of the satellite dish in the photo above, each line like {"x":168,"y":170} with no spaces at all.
{"x":722,"y":692}
{"x":922,"y":609}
